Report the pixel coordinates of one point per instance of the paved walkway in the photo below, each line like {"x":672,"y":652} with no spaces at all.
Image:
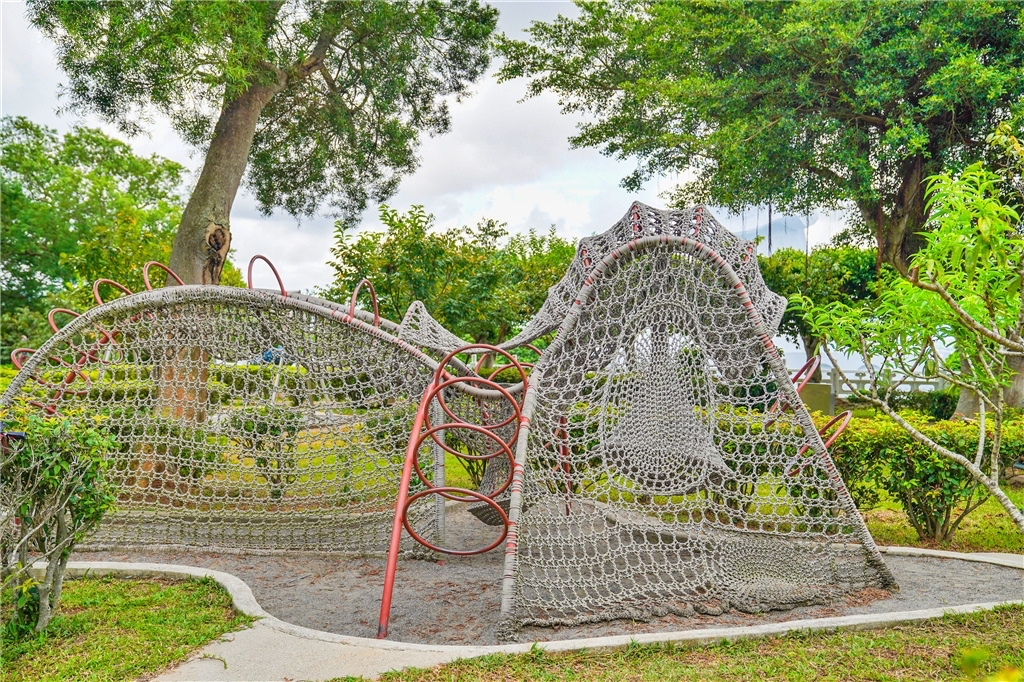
{"x":273,"y":650}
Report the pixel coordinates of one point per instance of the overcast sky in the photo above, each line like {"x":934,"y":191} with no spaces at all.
{"x":503,"y":158}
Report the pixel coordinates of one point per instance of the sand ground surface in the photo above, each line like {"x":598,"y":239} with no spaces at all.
{"x":457,"y":600}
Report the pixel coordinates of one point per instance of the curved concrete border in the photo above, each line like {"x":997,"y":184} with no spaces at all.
{"x":245,"y":601}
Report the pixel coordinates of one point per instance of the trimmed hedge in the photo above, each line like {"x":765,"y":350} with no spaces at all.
{"x":876,"y":454}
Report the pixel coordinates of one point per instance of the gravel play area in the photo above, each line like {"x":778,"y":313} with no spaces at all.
{"x":457,"y":601}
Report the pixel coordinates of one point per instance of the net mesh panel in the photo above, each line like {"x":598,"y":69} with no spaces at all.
{"x":655,"y":479}
{"x":420,"y":329}
{"x":243,"y":420}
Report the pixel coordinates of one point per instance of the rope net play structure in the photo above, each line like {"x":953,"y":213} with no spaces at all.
{"x":656,"y":458}
{"x":656,"y":471}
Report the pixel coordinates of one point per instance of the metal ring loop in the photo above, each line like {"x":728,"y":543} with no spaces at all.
{"x":252,"y":261}
{"x":145,"y":273}
{"x":373,"y":297}
{"x":17,"y":353}
{"x":455,"y":552}
{"x":96,"y":289}
{"x":53,"y":324}
{"x":431,"y":433}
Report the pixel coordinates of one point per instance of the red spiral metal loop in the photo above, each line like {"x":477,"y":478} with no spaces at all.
{"x":422,"y":431}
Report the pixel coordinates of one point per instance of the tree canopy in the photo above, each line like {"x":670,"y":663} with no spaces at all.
{"x":77,"y":208}
{"x":479,"y":282}
{"x":828,"y":274}
{"x":804,"y":103}
{"x":319,"y":102}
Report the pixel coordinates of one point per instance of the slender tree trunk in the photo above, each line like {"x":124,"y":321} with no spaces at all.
{"x":204,"y":235}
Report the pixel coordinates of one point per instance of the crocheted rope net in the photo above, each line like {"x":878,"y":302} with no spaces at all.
{"x":244,"y":419}
{"x":420,"y":329}
{"x":654,"y":477}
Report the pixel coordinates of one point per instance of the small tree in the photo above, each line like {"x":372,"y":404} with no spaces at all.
{"x":52,"y":493}
{"x":827,"y":274}
{"x":959,"y":317}
{"x":477,"y":281}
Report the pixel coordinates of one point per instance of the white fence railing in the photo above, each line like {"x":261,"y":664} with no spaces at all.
{"x":860,"y":381}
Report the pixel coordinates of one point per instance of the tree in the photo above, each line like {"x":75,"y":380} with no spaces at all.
{"x":54,"y":491}
{"x":79,"y":208}
{"x":76,"y":209}
{"x":318,"y":100}
{"x":801,"y":104}
{"x":960,"y":317}
{"x":825,"y":275}
{"x":477,"y":283}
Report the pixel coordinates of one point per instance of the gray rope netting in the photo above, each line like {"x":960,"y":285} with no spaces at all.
{"x":244,"y":419}
{"x":668,"y":464}
{"x":420,"y":329}
{"x":654,"y":475}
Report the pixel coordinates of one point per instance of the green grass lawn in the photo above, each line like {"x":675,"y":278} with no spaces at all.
{"x":111,"y":630}
{"x":986,"y":529}
{"x":979,"y":646}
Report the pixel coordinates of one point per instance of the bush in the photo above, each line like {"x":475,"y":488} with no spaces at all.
{"x":52,"y":493}
{"x":937,"y":405}
{"x":936,"y":493}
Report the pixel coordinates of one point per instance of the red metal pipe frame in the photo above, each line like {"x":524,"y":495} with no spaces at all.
{"x":396,"y":527}
{"x":418,"y":436}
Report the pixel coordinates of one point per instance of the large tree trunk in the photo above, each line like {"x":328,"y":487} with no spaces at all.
{"x":204,"y":235}
{"x":896,"y":233}
{"x":200,"y":249}
{"x":967,"y":405}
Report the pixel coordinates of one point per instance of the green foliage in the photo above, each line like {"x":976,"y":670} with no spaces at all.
{"x":936,"y":493}
{"x":826,"y":275}
{"x":79,"y":208}
{"x":803,"y":103}
{"x":1008,"y":159}
{"x":267,"y":433}
{"x":478,"y":282}
{"x":964,"y":295}
{"x":76,"y":209}
{"x":344,"y":88}
{"x":974,"y":255}
{"x":165,"y":440}
{"x":936,"y":405}
{"x":54,"y":485}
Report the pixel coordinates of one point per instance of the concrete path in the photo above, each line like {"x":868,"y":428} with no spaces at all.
{"x":273,"y":650}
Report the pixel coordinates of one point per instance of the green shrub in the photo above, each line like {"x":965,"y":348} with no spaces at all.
{"x":267,"y":433}
{"x":54,"y":492}
{"x":876,"y":454}
{"x":937,"y":405}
